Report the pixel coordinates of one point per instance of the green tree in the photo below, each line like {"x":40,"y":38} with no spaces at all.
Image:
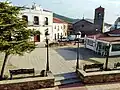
{"x":14,"y":35}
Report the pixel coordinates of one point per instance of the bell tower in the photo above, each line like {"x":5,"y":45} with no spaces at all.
{"x":99,"y":17}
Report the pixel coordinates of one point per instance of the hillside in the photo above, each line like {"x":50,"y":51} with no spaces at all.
{"x":66,"y":19}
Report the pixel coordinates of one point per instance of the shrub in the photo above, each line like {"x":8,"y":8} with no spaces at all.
{"x":53,"y":44}
{"x":5,"y":77}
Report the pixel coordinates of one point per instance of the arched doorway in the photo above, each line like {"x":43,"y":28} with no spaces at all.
{"x":37,"y":36}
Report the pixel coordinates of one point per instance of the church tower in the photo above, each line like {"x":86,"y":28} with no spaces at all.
{"x":99,"y":17}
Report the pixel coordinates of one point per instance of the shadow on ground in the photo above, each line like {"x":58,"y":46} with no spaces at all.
{"x":69,"y":53}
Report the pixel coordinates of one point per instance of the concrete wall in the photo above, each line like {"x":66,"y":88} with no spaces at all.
{"x":85,"y":27}
{"x":99,"y":77}
{"x":41,"y":27}
{"x":27,"y":83}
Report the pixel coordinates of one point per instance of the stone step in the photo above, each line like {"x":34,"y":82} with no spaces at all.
{"x":66,"y":78}
{"x":47,"y":89}
{"x":69,"y":81}
{"x":65,"y":74}
{"x":62,"y":77}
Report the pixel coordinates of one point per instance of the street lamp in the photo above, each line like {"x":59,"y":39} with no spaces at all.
{"x":47,"y":64}
{"x":78,"y":36}
{"x":107,"y":48}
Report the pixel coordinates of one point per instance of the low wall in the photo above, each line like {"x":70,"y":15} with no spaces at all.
{"x":28,"y":83}
{"x":99,"y":77}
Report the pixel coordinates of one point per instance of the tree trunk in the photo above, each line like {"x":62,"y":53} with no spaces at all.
{"x":3,"y":66}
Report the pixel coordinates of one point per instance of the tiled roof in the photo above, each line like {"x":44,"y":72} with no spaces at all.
{"x":109,"y":39}
{"x":57,"y":20}
{"x":96,"y":35}
{"x":105,"y":37}
{"x":117,"y":31}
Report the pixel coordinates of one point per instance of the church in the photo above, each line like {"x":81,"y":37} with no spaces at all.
{"x":92,"y":26}
{"x":101,"y":40}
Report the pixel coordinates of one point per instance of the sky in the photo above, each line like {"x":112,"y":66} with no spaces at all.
{"x":77,"y":8}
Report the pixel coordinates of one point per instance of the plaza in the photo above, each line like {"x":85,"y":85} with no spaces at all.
{"x":62,"y":62}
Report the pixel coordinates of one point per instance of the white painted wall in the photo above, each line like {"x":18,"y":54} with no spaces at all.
{"x":41,"y":27}
{"x":111,"y":53}
{"x":88,"y":46}
{"x":114,"y":53}
{"x":61,"y":29}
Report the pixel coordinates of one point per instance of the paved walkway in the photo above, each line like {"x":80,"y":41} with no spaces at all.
{"x":37,"y":60}
{"x":58,"y":65}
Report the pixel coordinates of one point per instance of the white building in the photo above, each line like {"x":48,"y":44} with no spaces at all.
{"x":59,"y":28}
{"x":39,"y":19}
{"x":99,"y":42}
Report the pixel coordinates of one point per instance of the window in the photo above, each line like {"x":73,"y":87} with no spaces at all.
{"x":37,"y":38}
{"x":55,"y":27}
{"x":82,"y":26}
{"x":115,"y":47}
{"x":25,"y":17}
{"x":99,"y":15}
{"x":61,"y":36}
{"x":46,"y":20}
{"x":36,"y":20}
{"x":58,"y":36}
{"x":64,"y":26}
{"x":61,"y":27}
{"x":55,"y":36}
{"x":65,"y":34}
{"x":90,"y":42}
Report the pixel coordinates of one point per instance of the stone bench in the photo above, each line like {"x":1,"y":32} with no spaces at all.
{"x":21,"y":71}
{"x":92,"y":66}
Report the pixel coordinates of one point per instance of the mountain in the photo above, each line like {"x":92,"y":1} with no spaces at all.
{"x":66,"y":19}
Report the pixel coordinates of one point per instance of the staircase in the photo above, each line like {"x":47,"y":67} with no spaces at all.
{"x":66,"y":78}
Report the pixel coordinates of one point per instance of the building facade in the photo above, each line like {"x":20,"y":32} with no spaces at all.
{"x":92,"y":26}
{"x":99,"y":17}
{"x":60,"y":28}
{"x":85,"y":27}
{"x":99,"y":42}
{"x":39,"y":19}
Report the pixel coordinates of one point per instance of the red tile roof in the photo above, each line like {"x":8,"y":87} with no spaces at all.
{"x":57,"y":20}
{"x":96,"y":35}
{"x":114,"y":31}
{"x":104,"y":37}
{"x":110,"y":39}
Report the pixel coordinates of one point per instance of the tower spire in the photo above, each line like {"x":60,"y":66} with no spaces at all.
{"x":83,"y":16}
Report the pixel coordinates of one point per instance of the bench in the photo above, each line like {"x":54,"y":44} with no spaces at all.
{"x":93,"y":66}
{"x":116,"y":65}
{"x":21,"y":71}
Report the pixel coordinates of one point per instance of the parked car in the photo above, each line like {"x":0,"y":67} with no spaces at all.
{"x":71,"y":37}
{"x":63,"y":39}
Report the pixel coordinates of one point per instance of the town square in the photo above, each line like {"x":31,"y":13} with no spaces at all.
{"x":43,"y":50}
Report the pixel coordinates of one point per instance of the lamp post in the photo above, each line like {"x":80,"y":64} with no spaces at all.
{"x":78,"y":36}
{"x":47,"y":64}
{"x":107,"y":55}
